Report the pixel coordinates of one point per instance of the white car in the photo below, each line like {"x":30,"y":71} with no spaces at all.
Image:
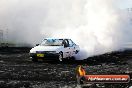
{"x":54,"y":48}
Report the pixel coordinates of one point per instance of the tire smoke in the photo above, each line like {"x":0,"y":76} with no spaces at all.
{"x":97,"y":26}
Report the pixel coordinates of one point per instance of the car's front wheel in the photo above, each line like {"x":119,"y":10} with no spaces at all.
{"x":61,"y":56}
{"x":34,"y":59}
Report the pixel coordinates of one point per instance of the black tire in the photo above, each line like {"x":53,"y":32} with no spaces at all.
{"x":60,"y":57}
{"x":34,"y":59}
{"x":72,"y":58}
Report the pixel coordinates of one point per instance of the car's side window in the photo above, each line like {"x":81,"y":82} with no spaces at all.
{"x":66,"y":43}
{"x":70,"y":43}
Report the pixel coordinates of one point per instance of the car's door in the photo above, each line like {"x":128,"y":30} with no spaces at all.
{"x":66,"y":51}
{"x":72,"y":47}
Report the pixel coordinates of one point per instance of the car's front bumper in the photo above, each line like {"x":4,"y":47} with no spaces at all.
{"x":44,"y":55}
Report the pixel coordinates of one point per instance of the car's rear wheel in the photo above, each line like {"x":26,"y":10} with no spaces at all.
{"x":72,"y":58}
{"x":60,"y":56}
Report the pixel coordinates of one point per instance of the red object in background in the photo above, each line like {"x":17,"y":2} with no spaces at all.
{"x":85,"y":78}
{"x":107,"y":78}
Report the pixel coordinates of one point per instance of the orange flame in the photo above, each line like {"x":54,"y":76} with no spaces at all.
{"x":81,"y":71}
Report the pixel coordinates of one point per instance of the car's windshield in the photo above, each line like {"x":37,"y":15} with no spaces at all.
{"x":52,"y":42}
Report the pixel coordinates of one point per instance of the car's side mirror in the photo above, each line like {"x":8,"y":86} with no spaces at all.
{"x":37,"y":44}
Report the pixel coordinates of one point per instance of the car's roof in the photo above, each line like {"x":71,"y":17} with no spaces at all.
{"x":57,"y":38}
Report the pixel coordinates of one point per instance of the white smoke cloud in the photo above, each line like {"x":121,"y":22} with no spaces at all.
{"x":97,"y":26}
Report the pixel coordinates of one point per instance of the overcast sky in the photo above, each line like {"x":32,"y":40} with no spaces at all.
{"x":125,"y":3}
{"x":102,"y":23}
